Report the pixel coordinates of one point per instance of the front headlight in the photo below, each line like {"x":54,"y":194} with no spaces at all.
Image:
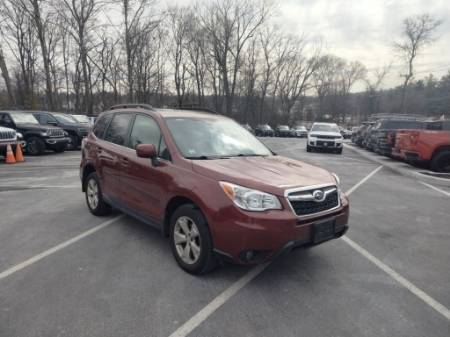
{"x":66,"y":133}
{"x":250,"y":200}
{"x":19,"y":135}
{"x":44,"y":134}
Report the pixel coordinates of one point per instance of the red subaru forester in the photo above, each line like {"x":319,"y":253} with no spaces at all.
{"x":209,"y":185}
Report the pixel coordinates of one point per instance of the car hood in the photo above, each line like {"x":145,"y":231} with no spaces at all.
{"x":272,"y":174}
{"x":325,"y":133}
{"x":34,"y":127}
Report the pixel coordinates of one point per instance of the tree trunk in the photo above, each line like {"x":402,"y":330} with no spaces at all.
{"x":5,"y":75}
{"x":41,"y":36}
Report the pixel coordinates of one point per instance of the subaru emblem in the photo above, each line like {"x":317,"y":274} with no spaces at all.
{"x":318,"y":195}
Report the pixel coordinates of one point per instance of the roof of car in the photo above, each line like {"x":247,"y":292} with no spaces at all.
{"x":170,"y":113}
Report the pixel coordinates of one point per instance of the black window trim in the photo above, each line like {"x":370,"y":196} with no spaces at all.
{"x":127,"y":136}
{"x":102,"y":137}
{"x":160,"y":138}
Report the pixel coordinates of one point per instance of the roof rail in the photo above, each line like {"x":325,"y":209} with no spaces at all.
{"x":131,"y":106}
{"x":403,"y":117}
{"x":193,"y":107}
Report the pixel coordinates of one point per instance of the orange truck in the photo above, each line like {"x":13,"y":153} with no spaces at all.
{"x":429,"y":146}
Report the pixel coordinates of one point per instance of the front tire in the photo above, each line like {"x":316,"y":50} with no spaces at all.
{"x":35,"y":146}
{"x":94,"y":196}
{"x":441,"y":162}
{"x":73,"y":145}
{"x":308,"y":148}
{"x":191,"y":241}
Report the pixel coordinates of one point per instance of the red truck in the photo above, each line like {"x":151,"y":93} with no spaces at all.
{"x":429,"y":146}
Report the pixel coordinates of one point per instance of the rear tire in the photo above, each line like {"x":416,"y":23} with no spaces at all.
{"x":73,"y":145}
{"x":191,"y":241}
{"x":441,"y":162}
{"x":35,"y":146}
{"x":94,"y":196}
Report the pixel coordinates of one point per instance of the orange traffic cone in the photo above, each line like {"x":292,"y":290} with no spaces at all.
{"x":19,"y":153}
{"x":9,"y":155}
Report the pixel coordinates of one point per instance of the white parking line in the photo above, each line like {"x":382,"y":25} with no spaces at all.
{"x":220,"y":300}
{"x":217,"y":302}
{"x":400,"y":279}
{"x":351,"y":190}
{"x":44,"y":254}
{"x":435,"y":188}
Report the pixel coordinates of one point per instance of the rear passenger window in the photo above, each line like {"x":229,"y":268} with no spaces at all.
{"x":100,"y":126}
{"x":117,"y":131}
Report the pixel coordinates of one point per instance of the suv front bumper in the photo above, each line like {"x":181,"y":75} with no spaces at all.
{"x":261,"y":237}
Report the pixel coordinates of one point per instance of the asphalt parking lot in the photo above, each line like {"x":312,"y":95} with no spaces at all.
{"x":64,"y":272}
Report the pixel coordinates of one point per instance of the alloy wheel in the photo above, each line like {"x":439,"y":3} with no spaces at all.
{"x":92,"y":193}
{"x":187,"y":240}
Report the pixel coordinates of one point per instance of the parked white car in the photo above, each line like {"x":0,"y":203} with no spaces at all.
{"x":325,"y":136}
{"x":8,"y":136}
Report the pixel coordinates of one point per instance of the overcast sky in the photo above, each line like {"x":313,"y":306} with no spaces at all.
{"x":364,"y":30}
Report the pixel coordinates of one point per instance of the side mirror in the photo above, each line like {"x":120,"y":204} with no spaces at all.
{"x":147,"y":151}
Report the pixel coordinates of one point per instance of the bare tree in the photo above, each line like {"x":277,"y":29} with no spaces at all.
{"x":372,"y":90}
{"x":179,"y":26}
{"x":137,"y":24}
{"x":7,"y":79}
{"x":19,"y":35}
{"x":418,"y":32}
{"x":33,"y":8}
{"x":80,"y":15}
{"x":230,"y":24}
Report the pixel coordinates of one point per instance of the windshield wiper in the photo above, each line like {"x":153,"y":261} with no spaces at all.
{"x":248,"y":155}
{"x":207,"y":157}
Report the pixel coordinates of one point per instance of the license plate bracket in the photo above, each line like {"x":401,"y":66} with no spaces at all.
{"x":323,"y":230}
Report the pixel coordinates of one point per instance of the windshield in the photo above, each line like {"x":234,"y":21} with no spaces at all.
{"x":19,"y":118}
{"x":81,"y":118}
{"x":325,"y":127}
{"x":65,"y":119}
{"x":202,"y":138}
{"x":266,"y":127}
{"x":300,"y":128}
{"x":283,"y":127}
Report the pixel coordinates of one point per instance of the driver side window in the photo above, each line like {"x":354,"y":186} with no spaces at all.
{"x":146,"y":131}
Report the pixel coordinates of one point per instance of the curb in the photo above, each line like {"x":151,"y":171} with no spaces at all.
{"x":409,"y":173}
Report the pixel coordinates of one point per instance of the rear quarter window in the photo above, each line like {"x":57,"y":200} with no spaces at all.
{"x":101,"y":125}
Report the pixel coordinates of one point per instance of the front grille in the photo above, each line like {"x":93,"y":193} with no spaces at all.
{"x":303,"y":203}
{"x":327,"y":137}
{"x":55,"y":132}
{"x":9,"y":135}
{"x":83,"y":132}
{"x":319,"y":143}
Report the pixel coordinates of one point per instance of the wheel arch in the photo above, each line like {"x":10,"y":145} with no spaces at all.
{"x":87,"y":170}
{"x":439,"y":149}
{"x":172,"y":205}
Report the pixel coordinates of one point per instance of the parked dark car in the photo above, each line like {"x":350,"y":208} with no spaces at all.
{"x":359,"y":137}
{"x":283,"y":131}
{"x":38,"y":137}
{"x":213,"y":188}
{"x":76,"y":130}
{"x":264,"y":130}
{"x":382,"y":139}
